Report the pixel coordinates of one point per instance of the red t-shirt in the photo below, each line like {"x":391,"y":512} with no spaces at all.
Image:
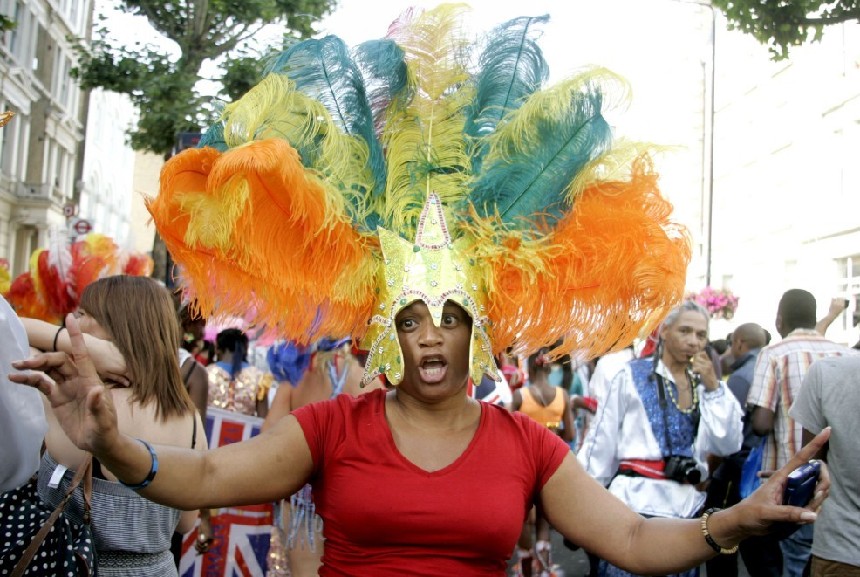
{"x":384,"y":516}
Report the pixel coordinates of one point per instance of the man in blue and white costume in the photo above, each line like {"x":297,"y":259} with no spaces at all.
{"x":660,"y":418}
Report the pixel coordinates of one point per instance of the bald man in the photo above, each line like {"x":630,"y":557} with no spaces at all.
{"x":747,"y":341}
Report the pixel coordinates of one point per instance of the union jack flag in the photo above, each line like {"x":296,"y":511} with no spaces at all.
{"x":241,"y":534}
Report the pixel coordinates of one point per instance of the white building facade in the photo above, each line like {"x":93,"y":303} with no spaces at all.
{"x":40,"y":147}
{"x":64,"y":156}
{"x":107,"y":184}
{"x":787,"y":179}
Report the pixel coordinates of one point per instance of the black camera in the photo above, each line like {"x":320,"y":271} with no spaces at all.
{"x":683,"y":470}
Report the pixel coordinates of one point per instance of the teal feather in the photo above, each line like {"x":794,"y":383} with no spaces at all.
{"x":214,"y":137}
{"x":384,"y":67}
{"x":532,"y":162}
{"x":512,"y":67}
{"x":323,"y":69}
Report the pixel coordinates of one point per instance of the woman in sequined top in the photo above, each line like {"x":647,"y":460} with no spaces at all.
{"x":235,"y":385}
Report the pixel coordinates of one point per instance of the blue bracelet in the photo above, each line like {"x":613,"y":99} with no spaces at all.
{"x":152,"y":470}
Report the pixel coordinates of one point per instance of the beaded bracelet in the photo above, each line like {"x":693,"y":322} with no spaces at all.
{"x":710,"y":540}
{"x":152,"y":470}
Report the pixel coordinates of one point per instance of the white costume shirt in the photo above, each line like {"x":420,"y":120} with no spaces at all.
{"x":605,"y":370}
{"x":621,"y":430}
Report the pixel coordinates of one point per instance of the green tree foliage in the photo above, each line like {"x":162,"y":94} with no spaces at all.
{"x":163,"y":86}
{"x":785,"y":23}
{"x":6,"y":23}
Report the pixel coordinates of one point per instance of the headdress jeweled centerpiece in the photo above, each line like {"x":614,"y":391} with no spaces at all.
{"x":433,"y":269}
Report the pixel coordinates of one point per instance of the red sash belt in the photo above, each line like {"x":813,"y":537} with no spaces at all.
{"x":643,"y":467}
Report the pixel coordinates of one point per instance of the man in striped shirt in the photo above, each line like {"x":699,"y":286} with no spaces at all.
{"x":779,"y":372}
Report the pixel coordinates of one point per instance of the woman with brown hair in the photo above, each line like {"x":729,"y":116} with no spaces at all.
{"x":134,"y":315}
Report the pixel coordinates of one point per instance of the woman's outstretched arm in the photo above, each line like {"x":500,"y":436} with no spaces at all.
{"x":588,"y":515}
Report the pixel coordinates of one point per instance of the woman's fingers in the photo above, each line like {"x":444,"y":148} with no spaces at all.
{"x":33,"y":379}
{"x":41,"y":362}
{"x":116,"y":379}
{"x":80,"y":354}
{"x":804,"y":455}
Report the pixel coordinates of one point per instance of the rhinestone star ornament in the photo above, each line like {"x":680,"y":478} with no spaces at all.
{"x":434,"y":269}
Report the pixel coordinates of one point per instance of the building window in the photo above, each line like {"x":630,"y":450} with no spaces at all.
{"x":62,"y":79}
{"x":849,"y":285}
{"x":12,"y":38}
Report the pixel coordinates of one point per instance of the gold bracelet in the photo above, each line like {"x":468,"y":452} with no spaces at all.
{"x":710,"y":540}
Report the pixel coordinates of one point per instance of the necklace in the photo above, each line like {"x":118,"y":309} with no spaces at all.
{"x":693,"y":406}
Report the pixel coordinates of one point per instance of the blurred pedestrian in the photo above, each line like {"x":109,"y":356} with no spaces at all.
{"x":22,"y":417}
{"x":830,"y":397}
{"x":306,"y":375}
{"x":724,"y":484}
{"x":778,"y":379}
{"x":545,"y":401}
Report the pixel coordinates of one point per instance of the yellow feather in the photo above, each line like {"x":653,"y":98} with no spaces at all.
{"x":275,"y":109}
{"x":213,"y":215}
{"x":613,"y":165}
{"x":552,"y":102}
{"x":423,"y":138}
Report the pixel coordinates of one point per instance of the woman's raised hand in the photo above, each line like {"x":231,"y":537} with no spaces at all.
{"x":78,"y":396}
{"x":761,"y":510}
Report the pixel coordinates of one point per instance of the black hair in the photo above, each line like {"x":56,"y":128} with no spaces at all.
{"x":720,"y":346}
{"x":236,"y":342}
{"x":797,"y":310}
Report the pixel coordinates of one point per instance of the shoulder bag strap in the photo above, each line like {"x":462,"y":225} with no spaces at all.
{"x":190,"y":370}
{"x":85,"y":474}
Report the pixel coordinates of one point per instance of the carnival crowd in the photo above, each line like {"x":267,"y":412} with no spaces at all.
{"x":629,"y":416}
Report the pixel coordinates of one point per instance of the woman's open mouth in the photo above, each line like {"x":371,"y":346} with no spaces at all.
{"x":433,"y":369}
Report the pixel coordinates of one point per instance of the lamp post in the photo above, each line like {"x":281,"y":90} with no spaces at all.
{"x":709,"y":75}
{"x":708,"y":140}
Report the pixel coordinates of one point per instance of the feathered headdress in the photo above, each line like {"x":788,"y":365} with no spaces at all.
{"x":348,"y":184}
{"x":59,"y":274}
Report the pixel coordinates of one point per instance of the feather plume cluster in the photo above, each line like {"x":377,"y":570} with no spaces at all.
{"x":59,"y":274}
{"x":277,"y":211}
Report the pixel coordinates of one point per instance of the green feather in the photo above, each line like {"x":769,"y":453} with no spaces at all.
{"x":323,"y":70}
{"x":512,"y":67}
{"x":538,"y":150}
{"x":384,"y":67}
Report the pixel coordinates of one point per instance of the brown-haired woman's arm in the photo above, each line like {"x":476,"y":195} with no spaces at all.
{"x":48,"y":337}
